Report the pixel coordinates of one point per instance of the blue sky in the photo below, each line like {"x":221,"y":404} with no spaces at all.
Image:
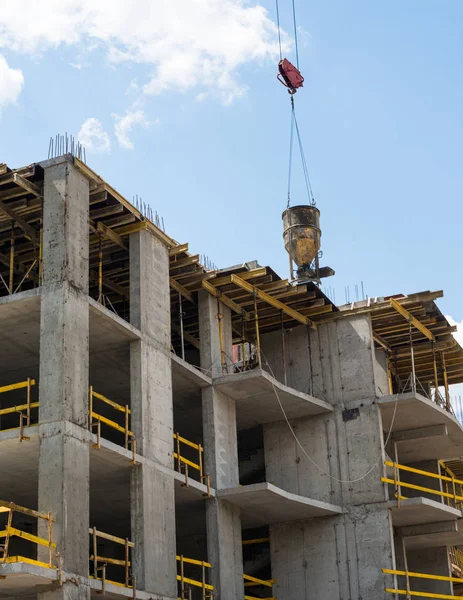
{"x":186,"y":112}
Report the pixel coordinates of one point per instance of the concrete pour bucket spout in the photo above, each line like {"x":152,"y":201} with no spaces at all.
{"x":301,"y":233}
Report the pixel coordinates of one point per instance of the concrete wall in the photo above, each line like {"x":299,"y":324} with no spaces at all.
{"x":434,"y":561}
{"x":336,"y":557}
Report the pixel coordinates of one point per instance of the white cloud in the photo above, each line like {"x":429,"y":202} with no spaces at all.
{"x":124,"y":125}
{"x":11,"y":83}
{"x":93,"y":136}
{"x":184,"y":44}
{"x":458,"y":334}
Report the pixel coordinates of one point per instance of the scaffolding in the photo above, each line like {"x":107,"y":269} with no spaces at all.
{"x":100,"y":563}
{"x":10,"y":531}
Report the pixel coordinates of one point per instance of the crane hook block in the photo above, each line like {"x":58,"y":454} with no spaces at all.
{"x":289,"y":76}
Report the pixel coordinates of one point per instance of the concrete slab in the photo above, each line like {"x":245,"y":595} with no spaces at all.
{"x":21,"y":579}
{"x":416,"y":412}
{"x":432,"y":535}
{"x":264,"y":504}
{"x":187,"y":383}
{"x":110,"y":468}
{"x":108,"y":329}
{"x":256,"y":395}
{"x":419,"y":511}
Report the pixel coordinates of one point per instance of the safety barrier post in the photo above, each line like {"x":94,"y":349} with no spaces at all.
{"x":397,"y":475}
{"x":179,"y":456}
{"x":126,"y":426}
{"x":256,"y":319}
{"x":90,"y":411}
{"x":182,"y":576}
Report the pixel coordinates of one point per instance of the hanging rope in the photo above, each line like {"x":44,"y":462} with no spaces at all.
{"x":291,"y":137}
{"x":308,"y":185}
{"x":278,"y":24}
{"x":295,"y":35}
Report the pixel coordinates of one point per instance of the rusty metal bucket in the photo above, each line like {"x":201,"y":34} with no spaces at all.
{"x":301,"y":233}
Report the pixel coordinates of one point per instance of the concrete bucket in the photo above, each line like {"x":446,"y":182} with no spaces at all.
{"x":301,"y":233}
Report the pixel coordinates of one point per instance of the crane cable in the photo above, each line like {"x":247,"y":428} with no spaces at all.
{"x":295,"y":35}
{"x":308,"y":185}
{"x":278,"y":24}
{"x":294,"y":124}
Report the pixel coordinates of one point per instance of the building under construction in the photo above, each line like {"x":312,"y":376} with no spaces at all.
{"x":171,"y":431}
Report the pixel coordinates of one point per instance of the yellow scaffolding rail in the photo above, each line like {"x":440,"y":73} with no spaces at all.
{"x":253,"y":582}
{"x":185,"y":582}
{"x":24,"y":410}
{"x":456,"y":560}
{"x":410,"y":592}
{"x":96,"y":419}
{"x":9,"y":508}
{"x":101,"y":562}
{"x":453,"y":493}
{"x":183,"y":464}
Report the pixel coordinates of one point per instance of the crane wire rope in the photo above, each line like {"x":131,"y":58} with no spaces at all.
{"x":308,"y":185}
{"x":295,"y":34}
{"x":279,"y":32}
{"x":299,"y":443}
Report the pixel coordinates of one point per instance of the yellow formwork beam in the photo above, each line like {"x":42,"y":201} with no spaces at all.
{"x":297,"y":316}
{"x":252,"y":274}
{"x":411,"y":319}
{"x":225,"y":299}
{"x":175,"y":285}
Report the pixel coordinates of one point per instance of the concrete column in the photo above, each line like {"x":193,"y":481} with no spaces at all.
{"x":210,"y":310}
{"x":335,"y":557}
{"x":64,"y":451}
{"x":221,"y":456}
{"x":152,"y":487}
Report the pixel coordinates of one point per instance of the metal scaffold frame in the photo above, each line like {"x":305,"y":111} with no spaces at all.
{"x":10,"y":531}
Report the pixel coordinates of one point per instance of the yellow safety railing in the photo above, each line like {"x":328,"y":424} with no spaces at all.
{"x":450,"y":482}
{"x":183,"y":464}
{"x":96,"y":420}
{"x":253,"y":582}
{"x":413,"y":593}
{"x":8,"y":509}
{"x":456,"y":560}
{"x":25,"y":409}
{"x":255,"y":541}
{"x":186,"y":582}
{"x":453,"y":493}
{"x":100,"y":563}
